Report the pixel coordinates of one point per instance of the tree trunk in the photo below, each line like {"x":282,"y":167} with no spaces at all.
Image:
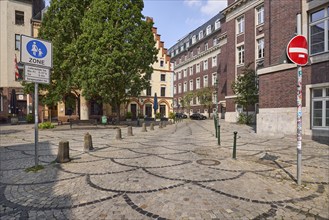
{"x":118,"y":111}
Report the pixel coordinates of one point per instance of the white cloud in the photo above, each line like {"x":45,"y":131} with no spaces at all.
{"x":192,"y":3}
{"x":195,"y":22}
{"x":212,"y":7}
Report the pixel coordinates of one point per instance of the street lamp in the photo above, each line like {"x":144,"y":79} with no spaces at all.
{"x":216,"y":100}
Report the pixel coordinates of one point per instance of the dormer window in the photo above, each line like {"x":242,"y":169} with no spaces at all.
{"x":209,"y":30}
{"x":193,"y":39}
{"x":217,"y":24}
{"x":200,"y":35}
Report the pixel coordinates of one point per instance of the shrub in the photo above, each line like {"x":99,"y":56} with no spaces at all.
{"x":158,"y":115}
{"x":30,"y":118}
{"x":129,"y":115}
{"x":45,"y":125}
{"x":244,"y":119}
{"x":172,"y":115}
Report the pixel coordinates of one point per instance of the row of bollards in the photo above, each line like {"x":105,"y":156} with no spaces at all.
{"x":63,"y":155}
{"x":234,"y":139}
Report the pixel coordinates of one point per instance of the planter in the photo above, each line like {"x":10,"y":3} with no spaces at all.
{"x":128,"y":119}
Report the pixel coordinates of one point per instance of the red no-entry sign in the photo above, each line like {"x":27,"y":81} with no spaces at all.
{"x":297,"y":50}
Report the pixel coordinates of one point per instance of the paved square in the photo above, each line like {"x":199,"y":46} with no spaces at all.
{"x":175,"y":172}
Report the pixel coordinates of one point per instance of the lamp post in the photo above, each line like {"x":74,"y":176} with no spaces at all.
{"x":216,"y":111}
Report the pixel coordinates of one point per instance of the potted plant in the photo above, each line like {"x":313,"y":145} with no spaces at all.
{"x":129,"y":116}
{"x":158,"y":115}
{"x":172,"y":116}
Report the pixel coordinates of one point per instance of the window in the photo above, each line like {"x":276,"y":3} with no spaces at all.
{"x":175,"y":90}
{"x":17,"y":42}
{"x":191,"y":85}
{"x":214,"y":98}
{"x":182,"y":48}
{"x":163,"y":91}
{"x":206,"y":46}
{"x":319,"y":31}
{"x":185,"y":87}
{"x":240,"y":55}
{"x":161,"y":63}
{"x":179,"y":74}
{"x":320,"y":108}
{"x":215,"y":42}
{"x":149,"y":91}
{"x":260,"y":15}
{"x":191,"y":70}
{"x":198,"y":68}
{"x":217,"y":24}
{"x":200,"y":35}
{"x":19,"y":17}
{"x":208,"y":31}
{"x":148,"y":110}
{"x":162,"y":111}
{"x":214,"y":77}
{"x":214,"y":61}
{"x":163,"y":77}
{"x":179,"y":88}
{"x":240,"y":23}
{"x":185,"y":73}
{"x":193,"y":39}
{"x":174,"y":76}
{"x":198,"y":83}
{"x":205,"y":65}
{"x":260,"y":48}
{"x":198,"y":50}
{"x":205,"y":81}
{"x":187,"y":44}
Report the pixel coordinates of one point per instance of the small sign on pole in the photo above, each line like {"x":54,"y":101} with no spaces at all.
{"x":36,"y":74}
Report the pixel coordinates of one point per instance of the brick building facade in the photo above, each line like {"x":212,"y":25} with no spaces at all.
{"x":257,"y":32}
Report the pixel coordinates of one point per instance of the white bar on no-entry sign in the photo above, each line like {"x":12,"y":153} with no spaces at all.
{"x":298,"y":50}
{"x":36,"y":74}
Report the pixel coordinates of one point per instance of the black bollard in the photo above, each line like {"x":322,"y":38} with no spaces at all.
{"x":218,"y":134}
{"x":234,"y":144}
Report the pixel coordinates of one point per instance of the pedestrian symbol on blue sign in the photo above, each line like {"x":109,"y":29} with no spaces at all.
{"x":36,"y":49}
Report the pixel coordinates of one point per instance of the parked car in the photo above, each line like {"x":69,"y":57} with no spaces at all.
{"x":180,"y":115}
{"x":197,"y":116}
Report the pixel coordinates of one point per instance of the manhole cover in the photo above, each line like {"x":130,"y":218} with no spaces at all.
{"x":208,"y":162}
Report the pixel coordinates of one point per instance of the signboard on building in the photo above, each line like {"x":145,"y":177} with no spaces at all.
{"x":36,"y":74}
{"x":297,"y":50}
{"x":36,"y":52}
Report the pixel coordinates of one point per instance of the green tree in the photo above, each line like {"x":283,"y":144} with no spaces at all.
{"x":62,"y":26}
{"x":116,"y":51}
{"x":187,"y":98}
{"x":245,"y":87}
{"x":205,"y":97}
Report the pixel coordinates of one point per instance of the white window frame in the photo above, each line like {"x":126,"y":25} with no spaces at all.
{"x":205,"y":64}
{"x":198,"y":68}
{"x":187,"y":45}
{"x":185,"y":86}
{"x":205,"y":81}
{"x":191,"y":85}
{"x":198,"y":50}
{"x":200,"y":34}
{"x":214,"y":61}
{"x":194,"y":39}
{"x":217,"y":24}
{"x":260,"y":15}
{"x":206,"y":46}
{"x":324,"y":100}
{"x":325,"y":21}
{"x":214,"y":77}
{"x":240,"y":25}
{"x":260,"y":48}
{"x":175,"y":89}
{"x":179,"y":74}
{"x":208,"y":31}
{"x":185,"y":72}
{"x":197,"y":86}
{"x":179,"y":88}
{"x":191,"y":70}
{"x":174,"y":76}
{"x":240,"y":55}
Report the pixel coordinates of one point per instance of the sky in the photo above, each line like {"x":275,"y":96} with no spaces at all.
{"x":176,"y":18}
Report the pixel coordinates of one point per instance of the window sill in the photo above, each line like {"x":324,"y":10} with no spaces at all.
{"x":240,"y":65}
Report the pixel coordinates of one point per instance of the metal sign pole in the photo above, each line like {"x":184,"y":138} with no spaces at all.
{"x":299,"y":124}
{"x":36,"y":104}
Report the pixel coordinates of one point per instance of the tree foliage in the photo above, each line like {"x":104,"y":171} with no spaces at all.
{"x":205,"y":97}
{"x":62,"y":26}
{"x":245,"y":87}
{"x":115,"y":51}
{"x":187,"y":99}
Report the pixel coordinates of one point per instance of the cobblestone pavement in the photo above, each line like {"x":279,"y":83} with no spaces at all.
{"x":177,"y":172}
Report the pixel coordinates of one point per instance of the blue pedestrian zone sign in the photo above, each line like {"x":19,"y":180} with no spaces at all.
{"x":36,"y":52}
{"x":36,"y":49}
